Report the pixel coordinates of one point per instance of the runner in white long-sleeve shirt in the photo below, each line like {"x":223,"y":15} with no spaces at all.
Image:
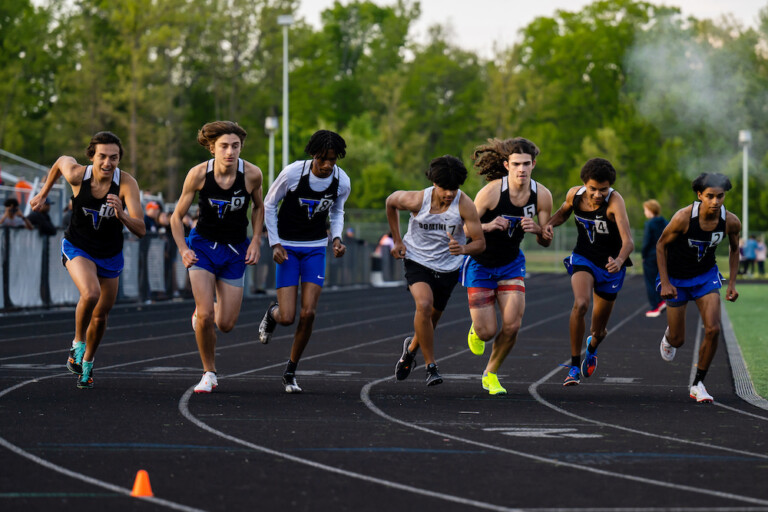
{"x":311,"y":191}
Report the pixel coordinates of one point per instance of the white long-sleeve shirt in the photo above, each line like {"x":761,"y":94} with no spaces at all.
{"x":287,"y":180}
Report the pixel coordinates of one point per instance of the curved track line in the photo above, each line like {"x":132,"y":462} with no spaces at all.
{"x":90,"y":480}
{"x":184,"y":409}
{"x":533,"y":390}
{"x":365,"y":396}
{"x":106,"y":485}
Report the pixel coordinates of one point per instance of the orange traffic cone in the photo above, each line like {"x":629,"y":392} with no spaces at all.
{"x":141,"y":487}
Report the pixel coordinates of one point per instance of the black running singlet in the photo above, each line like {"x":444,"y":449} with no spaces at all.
{"x":303,"y":214}
{"x":598,"y":237}
{"x":94,"y":227}
{"x":224,"y":213}
{"x":502,"y":247}
{"x":693,"y":253}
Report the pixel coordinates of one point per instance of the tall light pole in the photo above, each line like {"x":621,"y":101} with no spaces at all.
{"x":285,"y":20}
{"x":745,"y":139}
{"x":271,"y":124}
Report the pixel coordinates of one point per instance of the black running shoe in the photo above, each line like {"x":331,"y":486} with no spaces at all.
{"x":433,"y":376}
{"x":267,"y":325}
{"x":289,"y":381}
{"x":407,"y":361}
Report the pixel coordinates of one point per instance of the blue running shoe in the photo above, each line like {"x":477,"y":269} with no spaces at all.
{"x":86,"y":379}
{"x":589,"y":364}
{"x":75,"y":360}
{"x":572,"y":379}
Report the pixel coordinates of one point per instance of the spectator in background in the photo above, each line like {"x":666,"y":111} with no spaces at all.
{"x":13,"y":217}
{"x":66,"y":215}
{"x":760,"y":255}
{"x":750,"y":246}
{"x":151,"y":213}
{"x":654,"y":226}
{"x":42,"y":219}
{"x":189,"y":223}
{"x":385,"y":244}
{"x":169,"y":254}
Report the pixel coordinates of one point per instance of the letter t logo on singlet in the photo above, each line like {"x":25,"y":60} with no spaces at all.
{"x":513,"y":223}
{"x":221,"y":204}
{"x":592,"y":227}
{"x":315,"y":206}
{"x":701,"y":246}
{"x":97,"y":215}
{"x":528,"y":211}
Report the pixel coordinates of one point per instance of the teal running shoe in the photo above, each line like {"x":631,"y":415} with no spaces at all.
{"x":86,"y":379}
{"x":75,"y":360}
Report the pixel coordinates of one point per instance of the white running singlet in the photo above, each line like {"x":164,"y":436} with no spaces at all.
{"x":426,"y":241}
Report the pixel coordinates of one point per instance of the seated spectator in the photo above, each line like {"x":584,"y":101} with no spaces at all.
{"x":12,"y":216}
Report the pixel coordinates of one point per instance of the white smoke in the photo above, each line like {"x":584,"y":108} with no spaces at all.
{"x":689,"y":89}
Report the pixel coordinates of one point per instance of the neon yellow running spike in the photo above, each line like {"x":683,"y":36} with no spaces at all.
{"x":491,"y":383}
{"x":476,"y":345}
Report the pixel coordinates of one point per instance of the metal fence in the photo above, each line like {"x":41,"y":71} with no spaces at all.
{"x":33,"y":274}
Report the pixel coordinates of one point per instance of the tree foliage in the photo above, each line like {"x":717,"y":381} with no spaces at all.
{"x":662,"y":96}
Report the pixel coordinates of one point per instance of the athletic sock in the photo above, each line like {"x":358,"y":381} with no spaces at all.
{"x":700,"y":374}
{"x":575,"y":360}
{"x":590,"y":349}
{"x":291,"y":367}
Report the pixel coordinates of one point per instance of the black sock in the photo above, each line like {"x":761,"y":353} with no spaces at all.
{"x":700,"y":374}
{"x":291,"y":367}
{"x":575,"y":360}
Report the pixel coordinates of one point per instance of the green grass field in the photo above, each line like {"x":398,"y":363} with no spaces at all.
{"x":749,"y":316}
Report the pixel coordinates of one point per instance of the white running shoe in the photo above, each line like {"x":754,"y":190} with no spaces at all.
{"x":289,"y":381}
{"x":667,"y":350}
{"x":194,"y":320}
{"x":699,"y":392}
{"x":207,"y":384}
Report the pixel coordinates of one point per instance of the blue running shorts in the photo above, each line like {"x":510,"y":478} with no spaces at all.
{"x":475,"y":275}
{"x":693,"y":288}
{"x":225,"y":261}
{"x":105,"y":267}
{"x":305,"y":264}
{"x":607,"y":285}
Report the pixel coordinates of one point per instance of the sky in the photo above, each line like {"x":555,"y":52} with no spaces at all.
{"x":477,"y":24}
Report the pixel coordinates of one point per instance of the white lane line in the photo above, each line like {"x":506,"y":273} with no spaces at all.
{"x":182,"y":318}
{"x":191,"y":335}
{"x":533,"y":390}
{"x":365,"y":397}
{"x":90,"y":480}
{"x":184,"y":409}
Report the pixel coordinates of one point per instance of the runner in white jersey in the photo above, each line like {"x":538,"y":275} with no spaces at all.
{"x":433,"y":250}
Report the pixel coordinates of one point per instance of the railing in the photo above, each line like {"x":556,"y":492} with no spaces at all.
{"x":33,"y":274}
